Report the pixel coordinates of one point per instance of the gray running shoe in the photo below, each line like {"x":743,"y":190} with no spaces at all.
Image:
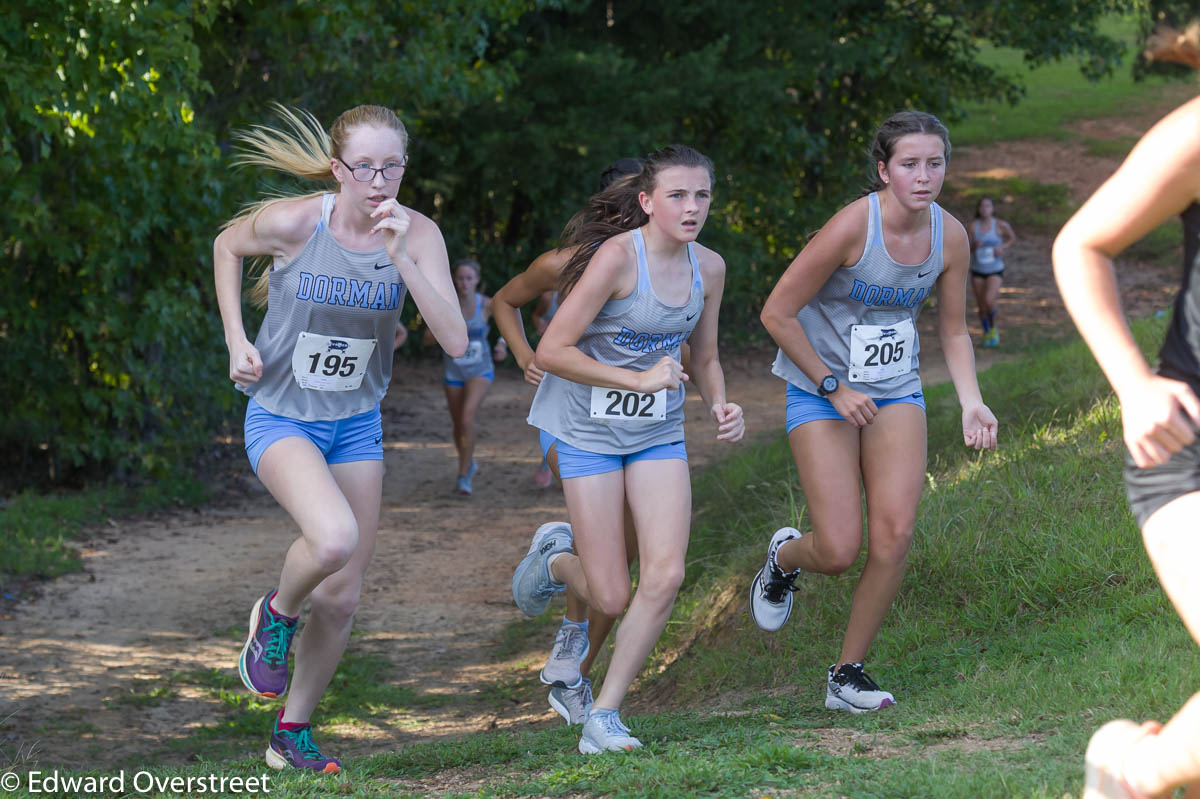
{"x":570,"y":648}
{"x":573,"y":704}
{"x":851,"y":688}
{"x":771,"y":590}
{"x":532,"y":585}
{"x":604,"y":732}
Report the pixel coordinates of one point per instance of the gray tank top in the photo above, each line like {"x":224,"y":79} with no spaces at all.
{"x":862,"y":322}
{"x":984,"y":260}
{"x":331,"y":318}
{"x":632,"y":332}
{"x":477,"y":360}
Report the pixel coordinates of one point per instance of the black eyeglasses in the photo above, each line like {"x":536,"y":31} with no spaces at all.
{"x":365,"y":174}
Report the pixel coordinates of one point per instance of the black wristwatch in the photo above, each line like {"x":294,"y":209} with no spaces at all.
{"x":829,"y":384}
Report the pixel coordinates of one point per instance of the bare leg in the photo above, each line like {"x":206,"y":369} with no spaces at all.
{"x":660,"y":494}
{"x":296,"y":474}
{"x":334,"y":601}
{"x":1159,"y":763}
{"x":600,"y":625}
{"x":893,"y":469}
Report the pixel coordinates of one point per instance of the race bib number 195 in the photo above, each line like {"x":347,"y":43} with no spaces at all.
{"x":330,"y":363}
{"x":616,"y":405}
{"x":878,"y":352}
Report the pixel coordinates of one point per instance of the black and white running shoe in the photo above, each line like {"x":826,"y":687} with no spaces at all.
{"x":771,"y":590}
{"x":850,"y":688}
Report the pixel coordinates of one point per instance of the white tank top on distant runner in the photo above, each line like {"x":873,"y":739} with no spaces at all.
{"x":326,"y":340}
{"x":632,"y":332}
{"x":863,"y":320}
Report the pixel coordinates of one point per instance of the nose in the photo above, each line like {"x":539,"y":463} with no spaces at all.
{"x":377,"y":181}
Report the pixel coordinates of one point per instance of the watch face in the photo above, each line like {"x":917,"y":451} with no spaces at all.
{"x":829,"y":384}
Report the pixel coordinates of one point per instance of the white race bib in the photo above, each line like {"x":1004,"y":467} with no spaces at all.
{"x":330,"y":363}
{"x":472,"y":356}
{"x":878,"y":352}
{"x":617,"y":405}
{"x":985,"y":255}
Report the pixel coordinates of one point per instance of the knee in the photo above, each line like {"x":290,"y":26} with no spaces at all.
{"x":610,"y":600}
{"x":837,"y":553}
{"x":336,"y":605}
{"x":890,"y":542}
{"x":660,"y":583}
{"x":333,"y":549}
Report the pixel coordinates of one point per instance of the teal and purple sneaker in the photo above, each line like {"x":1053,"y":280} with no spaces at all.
{"x":292,"y":746}
{"x":263,"y":664}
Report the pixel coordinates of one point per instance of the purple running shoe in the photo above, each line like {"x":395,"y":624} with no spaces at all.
{"x":292,"y":746}
{"x":263,"y":664}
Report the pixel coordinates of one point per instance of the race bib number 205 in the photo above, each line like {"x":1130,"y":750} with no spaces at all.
{"x":330,"y":363}
{"x":616,"y":405}
{"x":878,"y":352}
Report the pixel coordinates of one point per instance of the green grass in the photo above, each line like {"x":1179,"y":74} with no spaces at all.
{"x":36,"y":529}
{"x":1029,"y":616}
{"x":1058,"y":95}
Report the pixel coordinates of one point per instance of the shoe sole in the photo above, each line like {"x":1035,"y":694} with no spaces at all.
{"x":279,"y":763}
{"x":758,"y":579}
{"x":586,"y":747}
{"x":560,"y":708}
{"x":560,"y":683}
{"x":835,"y":703}
{"x":534,"y":545}
{"x":255,"y":612}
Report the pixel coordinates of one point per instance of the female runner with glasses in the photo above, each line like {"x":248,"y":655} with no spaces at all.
{"x":340,"y":265}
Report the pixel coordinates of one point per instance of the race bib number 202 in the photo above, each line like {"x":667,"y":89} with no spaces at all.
{"x":330,"y":363}
{"x":878,"y":352}
{"x":616,"y":405}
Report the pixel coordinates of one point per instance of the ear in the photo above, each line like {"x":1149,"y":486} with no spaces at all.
{"x":646,"y":202}
{"x":881,"y":168}
{"x":339,"y":171}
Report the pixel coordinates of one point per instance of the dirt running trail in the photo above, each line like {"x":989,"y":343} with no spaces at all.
{"x":165,"y":594}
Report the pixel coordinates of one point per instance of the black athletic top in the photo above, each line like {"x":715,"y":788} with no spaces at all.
{"x":1180,"y":352}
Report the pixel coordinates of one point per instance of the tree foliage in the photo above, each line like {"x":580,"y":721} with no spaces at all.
{"x":116,"y":119}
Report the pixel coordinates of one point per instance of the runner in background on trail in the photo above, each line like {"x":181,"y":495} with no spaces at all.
{"x":990,"y":239}
{"x":844,"y":316}
{"x":339,"y":266}
{"x":466,"y":379}
{"x":1160,"y":410}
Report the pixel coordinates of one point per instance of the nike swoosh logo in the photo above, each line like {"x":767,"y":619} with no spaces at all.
{"x":382,"y":266}
{"x":690,"y":317}
{"x":919,"y":274}
{"x":378,"y":440}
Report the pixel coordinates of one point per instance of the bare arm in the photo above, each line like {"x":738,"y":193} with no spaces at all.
{"x":839,"y":243}
{"x":704,"y":363}
{"x":280,"y":231}
{"x":979,"y":425}
{"x":1159,"y":179}
{"x":540,"y":277}
{"x":1007,"y":234}
{"x":611,"y":273}
{"x":419,"y":253}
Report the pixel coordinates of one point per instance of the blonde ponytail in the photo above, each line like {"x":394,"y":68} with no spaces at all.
{"x":303,"y":149}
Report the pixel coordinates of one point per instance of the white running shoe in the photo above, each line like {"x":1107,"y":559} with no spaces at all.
{"x":852,"y":689}
{"x":771,"y":589}
{"x":570,"y":648}
{"x":532,"y":583}
{"x":604,"y":732}
{"x":573,"y":704}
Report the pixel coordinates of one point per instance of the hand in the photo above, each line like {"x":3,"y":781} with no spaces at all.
{"x":393,"y":225}
{"x":979,"y":427}
{"x":667,"y":373}
{"x":855,"y":407}
{"x":730,"y":423}
{"x":533,"y":375}
{"x":245,"y":364}
{"x":401,"y":337}
{"x":1159,"y":417}
{"x":499,"y":351}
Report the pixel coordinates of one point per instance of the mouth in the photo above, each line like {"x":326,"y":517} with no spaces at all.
{"x":376,"y":199}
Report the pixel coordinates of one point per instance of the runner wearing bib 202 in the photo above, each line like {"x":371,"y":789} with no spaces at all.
{"x":610,"y":407}
{"x":844,"y":315}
